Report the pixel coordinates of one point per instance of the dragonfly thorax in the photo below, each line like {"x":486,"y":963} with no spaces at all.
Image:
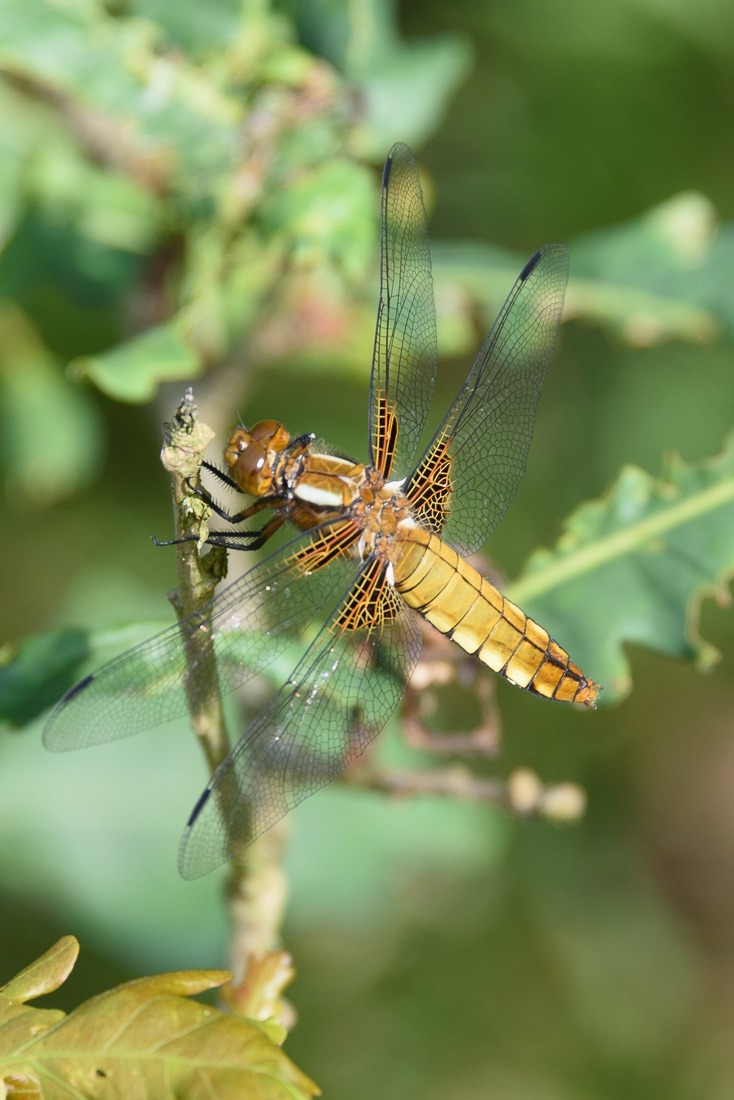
{"x":381,"y":509}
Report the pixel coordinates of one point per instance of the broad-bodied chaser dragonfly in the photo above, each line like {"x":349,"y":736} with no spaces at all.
{"x":378,"y":542}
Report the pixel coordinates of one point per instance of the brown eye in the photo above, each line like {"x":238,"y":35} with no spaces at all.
{"x":251,"y":460}
{"x":271,"y":432}
{"x":251,"y":471}
{"x":264,"y":429}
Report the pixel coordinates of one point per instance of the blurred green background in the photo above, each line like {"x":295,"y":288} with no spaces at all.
{"x":190,"y":192}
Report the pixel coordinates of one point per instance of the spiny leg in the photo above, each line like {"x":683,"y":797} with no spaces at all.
{"x":232,"y":540}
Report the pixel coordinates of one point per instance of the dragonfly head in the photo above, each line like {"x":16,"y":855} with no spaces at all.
{"x":251,"y":454}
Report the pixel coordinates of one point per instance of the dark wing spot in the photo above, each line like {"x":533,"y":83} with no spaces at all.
{"x":201,"y":803}
{"x":530,"y":266}
{"x":73,"y":692}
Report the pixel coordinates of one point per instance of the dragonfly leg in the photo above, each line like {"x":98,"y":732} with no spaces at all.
{"x":245,"y":540}
{"x":231,"y":540}
{"x":220,"y":475}
{"x":232,"y":517}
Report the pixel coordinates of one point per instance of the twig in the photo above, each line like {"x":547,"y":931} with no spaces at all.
{"x":441,"y":665}
{"x":185,"y":441}
{"x":104,"y":137}
{"x":256,"y":889}
{"x":256,"y":896}
{"x":522,"y":793}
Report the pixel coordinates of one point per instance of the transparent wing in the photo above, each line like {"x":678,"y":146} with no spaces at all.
{"x":469,"y":474}
{"x":338,"y":699}
{"x":404,"y":359}
{"x":248,"y":624}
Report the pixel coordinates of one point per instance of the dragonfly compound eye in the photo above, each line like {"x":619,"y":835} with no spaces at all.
{"x":248,"y":465}
{"x":272,"y":433}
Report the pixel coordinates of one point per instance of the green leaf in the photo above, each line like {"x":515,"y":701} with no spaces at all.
{"x":51,"y":435}
{"x":635,"y":566}
{"x":162,"y":115}
{"x":35,"y":673}
{"x":102,"y":205}
{"x":133,"y":370}
{"x":668,"y":270}
{"x":325,"y":213}
{"x":365,"y":43}
{"x":194,"y":28}
{"x":145,"y":1037}
{"x":640,"y":314}
{"x":662,"y":276}
{"x":421,"y":77}
{"x":21,"y":131}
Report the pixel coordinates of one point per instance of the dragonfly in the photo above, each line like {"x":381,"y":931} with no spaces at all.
{"x":377,"y":545}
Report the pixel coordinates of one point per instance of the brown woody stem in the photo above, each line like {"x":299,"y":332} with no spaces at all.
{"x":522,"y":793}
{"x":256,"y":890}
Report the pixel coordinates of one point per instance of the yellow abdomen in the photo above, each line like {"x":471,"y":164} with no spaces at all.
{"x":458,"y":601}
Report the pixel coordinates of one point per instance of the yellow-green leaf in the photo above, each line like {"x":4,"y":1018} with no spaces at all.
{"x":44,"y":975}
{"x":143,"y":1038}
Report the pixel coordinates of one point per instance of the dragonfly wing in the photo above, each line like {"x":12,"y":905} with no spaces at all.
{"x":469,"y":474}
{"x":248,"y":625}
{"x":404,"y":359}
{"x":337,"y":700}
